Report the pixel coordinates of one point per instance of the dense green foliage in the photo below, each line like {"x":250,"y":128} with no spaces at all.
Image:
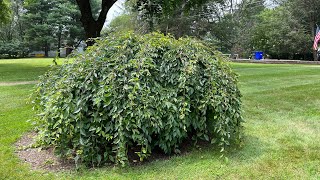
{"x":5,"y":12}
{"x":279,"y":35}
{"x":285,"y":31}
{"x":38,"y":32}
{"x":122,"y":23}
{"x":282,"y":29}
{"x":51,"y":23}
{"x":41,"y":25}
{"x":156,"y":11}
{"x":13,"y":29}
{"x":140,"y":92}
{"x":13,"y":50}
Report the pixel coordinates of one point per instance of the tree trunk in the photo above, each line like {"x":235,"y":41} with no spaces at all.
{"x":46,"y":50}
{"x":91,"y":26}
{"x":59,"y":43}
{"x":18,"y":6}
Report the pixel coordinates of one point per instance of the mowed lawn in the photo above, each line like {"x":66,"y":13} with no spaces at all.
{"x":282,"y":131}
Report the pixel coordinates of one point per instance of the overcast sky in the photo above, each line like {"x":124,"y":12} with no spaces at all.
{"x":116,"y":10}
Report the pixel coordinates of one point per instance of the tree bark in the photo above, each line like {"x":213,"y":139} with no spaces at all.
{"x":18,"y":5}
{"x":46,"y":50}
{"x":91,"y":26}
{"x":59,"y":43}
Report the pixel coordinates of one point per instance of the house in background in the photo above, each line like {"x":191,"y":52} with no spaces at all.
{"x":64,"y":52}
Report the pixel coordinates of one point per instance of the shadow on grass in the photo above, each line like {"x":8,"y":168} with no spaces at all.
{"x":202,"y":162}
{"x":194,"y":159}
{"x":251,"y":148}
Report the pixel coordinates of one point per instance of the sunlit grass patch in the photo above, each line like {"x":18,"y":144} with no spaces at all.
{"x":27,"y":69}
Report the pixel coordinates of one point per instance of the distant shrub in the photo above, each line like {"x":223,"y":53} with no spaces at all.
{"x":13,"y":50}
{"x":142,"y":92}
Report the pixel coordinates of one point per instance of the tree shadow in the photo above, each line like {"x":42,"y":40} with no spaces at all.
{"x":251,"y":148}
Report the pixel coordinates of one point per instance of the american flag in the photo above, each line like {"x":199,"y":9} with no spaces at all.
{"x":316,"y":39}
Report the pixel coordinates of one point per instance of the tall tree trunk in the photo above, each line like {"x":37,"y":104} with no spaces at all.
{"x":315,"y":55}
{"x":91,"y":26}
{"x":59,"y":43}
{"x":17,"y":9}
{"x":46,"y":50}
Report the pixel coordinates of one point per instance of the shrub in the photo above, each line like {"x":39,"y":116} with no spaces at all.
{"x":142,"y":92}
{"x":13,"y":50}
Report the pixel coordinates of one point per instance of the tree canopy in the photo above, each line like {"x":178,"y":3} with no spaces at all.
{"x":150,"y":8}
{"x":5,"y":12}
{"x":282,"y":30}
{"x":53,"y":22}
{"x":92,"y":26}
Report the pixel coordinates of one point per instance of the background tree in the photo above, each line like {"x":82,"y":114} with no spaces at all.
{"x":11,"y":41}
{"x":157,"y":12}
{"x":63,"y":19}
{"x":13,"y":29}
{"x":38,"y":33}
{"x":122,"y":23}
{"x":225,"y":23}
{"x":93,"y":26}
{"x":280,"y":35}
{"x":5,"y":12}
{"x":150,"y":9}
{"x":287,"y":31}
{"x":306,"y":12}
{"x":52,"y":23}
{"x":284,"y":30}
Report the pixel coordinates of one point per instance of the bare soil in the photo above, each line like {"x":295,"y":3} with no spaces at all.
{"x":45,"y":159}
{"x":37,"y":158}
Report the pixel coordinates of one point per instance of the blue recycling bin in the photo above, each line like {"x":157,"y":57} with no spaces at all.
{"x":258,"y":55}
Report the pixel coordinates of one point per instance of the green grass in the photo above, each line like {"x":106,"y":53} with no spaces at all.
{"x":282,"y":129}
{"x":24,"y":69}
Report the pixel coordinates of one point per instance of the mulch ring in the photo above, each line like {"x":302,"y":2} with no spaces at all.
{"x":37,"y":158}
{"x":45,"y":159}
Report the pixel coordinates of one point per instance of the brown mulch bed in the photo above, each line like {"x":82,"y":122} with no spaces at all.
{"x":39,"y":159}
{"x":45,"y":159}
